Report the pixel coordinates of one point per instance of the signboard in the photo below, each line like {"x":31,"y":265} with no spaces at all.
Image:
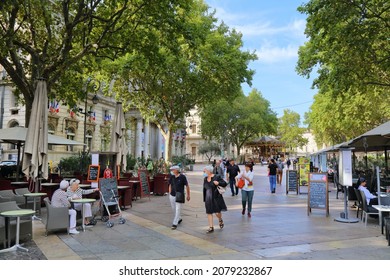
{"x":345,"y":167}
{"x":318,"y":195}
{"x":144,"y":182}
{"x":93,"y":173}
{"x":109,"y":190}
{"x":292,"y":181}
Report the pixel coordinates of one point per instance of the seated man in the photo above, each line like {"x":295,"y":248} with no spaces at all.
{"x":371,"y":199}
{"x":75,"y":192}
{"x":60,"y":199}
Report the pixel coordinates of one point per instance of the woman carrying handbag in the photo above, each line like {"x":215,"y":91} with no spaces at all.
{"x":247,"y":191}
{"x":214,"y":202}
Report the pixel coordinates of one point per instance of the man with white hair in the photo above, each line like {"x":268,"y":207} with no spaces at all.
{"x":60,"y":199}
{"x":75,"y":192}
{"x":177,"y":182}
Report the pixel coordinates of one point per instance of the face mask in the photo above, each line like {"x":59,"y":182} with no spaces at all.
{"x":205,"y":174}
{"x":172,"y":173}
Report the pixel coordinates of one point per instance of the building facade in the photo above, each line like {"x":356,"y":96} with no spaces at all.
{"x":87,"y":123}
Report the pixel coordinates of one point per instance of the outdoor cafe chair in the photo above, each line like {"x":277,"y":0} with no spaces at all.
{"x":57,"y":218}
{"x":359,"y":203}
{"x":367,"y":209}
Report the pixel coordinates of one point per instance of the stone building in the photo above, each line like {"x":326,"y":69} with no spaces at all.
{"x":93,"y":127}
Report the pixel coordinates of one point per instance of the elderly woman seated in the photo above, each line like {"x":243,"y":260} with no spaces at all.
{"x":74,"y":192}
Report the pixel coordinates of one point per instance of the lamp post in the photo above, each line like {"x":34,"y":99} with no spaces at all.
{"x":95,"y":100}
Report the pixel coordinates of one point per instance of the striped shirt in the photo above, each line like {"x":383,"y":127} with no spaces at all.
{"x":60,"y":199}
{"x":78,"y":193}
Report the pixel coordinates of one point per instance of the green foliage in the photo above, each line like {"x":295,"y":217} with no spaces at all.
{"x":290,"y":131}
{"x":209,"y":150}
{"x":75,"y":163}
{"x":338,"y":118}
{"x":172,"y":71}
{"x":348,"y":44}
{"x":131,"y":160}
{"x":240,"y":120}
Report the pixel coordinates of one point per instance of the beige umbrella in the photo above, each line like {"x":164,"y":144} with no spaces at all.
{"x":35,"y":162}
{"x":118,"y":137}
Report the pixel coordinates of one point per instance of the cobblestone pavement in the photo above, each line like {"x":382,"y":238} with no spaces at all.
{"x":279,"y":229}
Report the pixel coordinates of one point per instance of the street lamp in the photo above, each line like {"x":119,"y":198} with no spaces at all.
{"x":95,"y":100}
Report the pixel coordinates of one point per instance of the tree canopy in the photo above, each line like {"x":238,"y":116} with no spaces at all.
{"x":238,"y":120}
{"x":209,"y":150}
{"x":348,"y":44}
{"x":290,"y":131}
{"x":59,"y":40}
{"x":169,"y":73}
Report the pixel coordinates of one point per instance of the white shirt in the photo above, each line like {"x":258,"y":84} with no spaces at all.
{"x":367,"y":193}
{"x":250,"y":175}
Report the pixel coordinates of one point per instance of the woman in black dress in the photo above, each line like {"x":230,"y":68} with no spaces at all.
{"x":214,"y":202}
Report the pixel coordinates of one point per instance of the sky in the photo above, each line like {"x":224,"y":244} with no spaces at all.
{"x":274,"y":30}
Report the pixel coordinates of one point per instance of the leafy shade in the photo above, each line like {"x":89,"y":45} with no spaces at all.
{"x":290,"y":131}
{"x":172,"y":72}
{"x":209,"y":150}
{"x":348,"y":45}
{"x":338,"y":118}
{"x":240,"y":120}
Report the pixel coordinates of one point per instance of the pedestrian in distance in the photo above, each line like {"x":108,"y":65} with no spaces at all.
{"x":279,"y":176}
{"x":218,"y":169}
{"x":214,"y":202}
{"x":231,"y":173}
{"x":272,"y":170}
{"x":247,"y":191}
{"x":288,"y":163}
{"x":177,"y":183}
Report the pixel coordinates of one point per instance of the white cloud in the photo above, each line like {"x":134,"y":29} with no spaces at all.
{"x":272,"y":54}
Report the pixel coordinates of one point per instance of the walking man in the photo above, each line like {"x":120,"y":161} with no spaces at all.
{"x":231,"y":173}
{"x":177,"y":182}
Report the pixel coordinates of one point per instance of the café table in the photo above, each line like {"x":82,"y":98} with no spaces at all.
{"x":16,"y":214}
{"x":83,"y":201}
{"x":135,"y":183}
{"x":84,"y":186}
{"x":19,"y":184}
{"x":123,"y":190}
{"x":34,"y":195}
{"x":381,"y":208}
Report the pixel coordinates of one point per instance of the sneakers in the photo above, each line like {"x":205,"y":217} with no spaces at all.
{"x":73,"y":231}
{"x":90,"y":224}
{"x":180,"y":221}
{"x":243,"y":212}
{"x":249,"y":214}
{"x":173,"y":227}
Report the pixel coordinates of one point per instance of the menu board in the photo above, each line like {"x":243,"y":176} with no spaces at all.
{"x":93,"y":173}
{"x":144,"y":182}
{"x":318,"y":197}
{"x":292,"y":181}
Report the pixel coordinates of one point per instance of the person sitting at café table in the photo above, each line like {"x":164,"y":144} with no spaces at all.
{"x":60,"y":199}
{"x":371,"y":199}
{"x":74,"y":192}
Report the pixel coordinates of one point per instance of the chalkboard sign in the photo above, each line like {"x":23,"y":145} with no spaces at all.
{"x":318,"y":197}
{"x":109,"y":190}
{"x":93,"y":173}
{"x":292,"y":181}
{"x":144,"y":182}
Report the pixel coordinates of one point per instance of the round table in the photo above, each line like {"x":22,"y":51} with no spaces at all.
{"x":34,"y":195}
{"x":84,"y":185}
{"x":83,"y":201}
{"x":16,"y":214}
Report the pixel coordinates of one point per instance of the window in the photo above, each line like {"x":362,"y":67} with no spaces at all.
{"x":89,"y":138}
{"x":70,"y":134}
{"x":193,"y":151}
{"x":51,"y":130}
{"x":193,"y":127}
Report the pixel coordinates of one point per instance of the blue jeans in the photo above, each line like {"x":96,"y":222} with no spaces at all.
{"x":272,"y":182}
{"x":247,"y":195}
{"x":232,"y":183}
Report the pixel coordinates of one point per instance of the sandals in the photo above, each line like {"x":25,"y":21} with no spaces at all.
{"x":210,"y":230}
{"x":221,"y":224}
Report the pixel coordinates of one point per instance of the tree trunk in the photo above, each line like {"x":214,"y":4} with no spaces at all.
{"x":28,"y":104}
{"x":168,"y":145}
